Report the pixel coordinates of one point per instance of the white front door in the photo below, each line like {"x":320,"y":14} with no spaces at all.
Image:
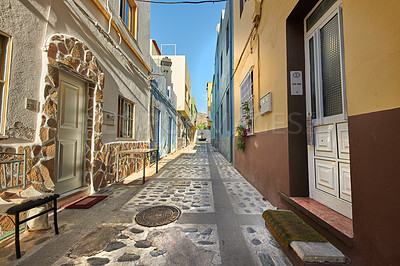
{"x":328,"y":150}
{"x":71,"y":109}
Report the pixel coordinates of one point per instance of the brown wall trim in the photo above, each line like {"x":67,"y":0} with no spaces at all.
{"x":375,"y":181}
{"x":264,"y":163}
{"x":297,"y":138}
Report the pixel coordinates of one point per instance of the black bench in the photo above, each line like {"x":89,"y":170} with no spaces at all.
{"x":17,"y":209}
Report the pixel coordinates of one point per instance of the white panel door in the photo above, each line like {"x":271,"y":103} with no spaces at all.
{"x":70,"y":134}
{"x":329,"y":150}
{"x":326,"y":176}
{"x":345,"y":182}
{"x":325,"y":141}
{"x":343,"y":141}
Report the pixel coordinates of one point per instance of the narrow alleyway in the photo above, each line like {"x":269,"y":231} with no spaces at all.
{"x":220,"y":223}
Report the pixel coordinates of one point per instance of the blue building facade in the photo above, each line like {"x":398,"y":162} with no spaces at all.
{"x":222,"y":92}
{"x":163,"y":114}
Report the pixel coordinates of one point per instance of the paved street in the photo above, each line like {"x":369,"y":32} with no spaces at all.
{"x":220,"y":223}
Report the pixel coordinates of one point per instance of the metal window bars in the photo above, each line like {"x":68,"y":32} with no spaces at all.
{"x":10,"y":170}
{"x":247,"y":116}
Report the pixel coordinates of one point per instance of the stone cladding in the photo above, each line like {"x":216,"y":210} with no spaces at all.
{"x":71,"y":55}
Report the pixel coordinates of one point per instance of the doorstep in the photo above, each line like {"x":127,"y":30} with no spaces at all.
{"x":335,"y":223}
{"x":305,"y":248}
{"x":73,"y":195}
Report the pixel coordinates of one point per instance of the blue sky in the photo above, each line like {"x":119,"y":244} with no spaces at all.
{"x":193,"y":29}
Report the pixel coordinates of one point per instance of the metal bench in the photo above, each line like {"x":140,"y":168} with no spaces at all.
{"x":12,"y":178}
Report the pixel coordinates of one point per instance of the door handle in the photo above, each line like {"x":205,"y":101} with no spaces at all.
{"x":310,"y":130}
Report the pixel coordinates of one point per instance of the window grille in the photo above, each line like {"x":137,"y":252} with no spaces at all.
{"x":246,"y":102}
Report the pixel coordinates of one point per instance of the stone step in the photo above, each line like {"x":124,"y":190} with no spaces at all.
{"x":313,"y":249}
{"x":318,"y":252}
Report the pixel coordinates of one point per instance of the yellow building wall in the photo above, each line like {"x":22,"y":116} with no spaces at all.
{"x":372,"y":55}
{"x":270,"y":70}
{"x":209,"y":92}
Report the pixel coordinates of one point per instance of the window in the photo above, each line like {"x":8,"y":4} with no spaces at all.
{"x":128,"y":14}
{"x":5,"y":57}
{"x":227,"y":111}
{"x":246,"y":102}
{"x":242,"y":2}
{"x":126,"y":118}
{"x":222,"y":119}
{"x":169,"y":91}
{"x":227,"y":36}
{"x":326,"y":73}
{"x":221,"y":66}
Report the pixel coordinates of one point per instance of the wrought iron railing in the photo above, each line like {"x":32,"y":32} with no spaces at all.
{"x":12,"y":170}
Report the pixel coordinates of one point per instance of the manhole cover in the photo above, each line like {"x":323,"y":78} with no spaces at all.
{"x":157,"y":216}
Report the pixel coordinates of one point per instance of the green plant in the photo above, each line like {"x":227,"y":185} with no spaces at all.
{"x":201,"y":125}
{"x":241,"y":140}
{"x":247,"y":113}
{"x":243,"y":130}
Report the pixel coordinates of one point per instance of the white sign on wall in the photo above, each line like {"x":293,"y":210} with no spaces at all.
{"x":296,"y":82}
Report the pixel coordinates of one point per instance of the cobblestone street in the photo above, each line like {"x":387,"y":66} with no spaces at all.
{"x":220,"y":221}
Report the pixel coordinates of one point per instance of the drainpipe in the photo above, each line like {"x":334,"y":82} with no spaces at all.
{"x":111,"y":17}
{"x":231,"y":88}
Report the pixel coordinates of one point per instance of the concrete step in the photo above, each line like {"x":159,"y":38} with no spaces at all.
{"x":318,"y":252}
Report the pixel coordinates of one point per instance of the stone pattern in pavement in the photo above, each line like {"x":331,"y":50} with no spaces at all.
{"x":193,"y":159}
{"x":186,"y":172}
{"x":195,"y":198}
{"x":219,"y":159}
{"x":245,"y":198}
{"x":263,"y":247}
{"x":228,"y":172}
{"x":187,"y":183}
{"x":164,"y":245}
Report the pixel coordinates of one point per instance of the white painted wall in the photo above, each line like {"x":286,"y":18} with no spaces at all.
{"x":25,"y":21}
{"x":180,"y":79}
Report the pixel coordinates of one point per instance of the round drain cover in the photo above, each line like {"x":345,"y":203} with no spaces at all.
{"x":157,"y":216}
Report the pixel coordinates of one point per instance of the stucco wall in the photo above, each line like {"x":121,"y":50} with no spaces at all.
{"x":180,"y":79}
{"x":266,"y":53}
{"x":278,"y":161}
{"x":25,"y":22}
{"x":372,"y":55}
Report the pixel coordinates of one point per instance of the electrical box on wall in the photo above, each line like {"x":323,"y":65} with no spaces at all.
{"x":31,"y":105}
{"x":265,"y":104}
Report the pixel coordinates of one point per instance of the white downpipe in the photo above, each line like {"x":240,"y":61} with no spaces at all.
{"x":111,"y":17}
